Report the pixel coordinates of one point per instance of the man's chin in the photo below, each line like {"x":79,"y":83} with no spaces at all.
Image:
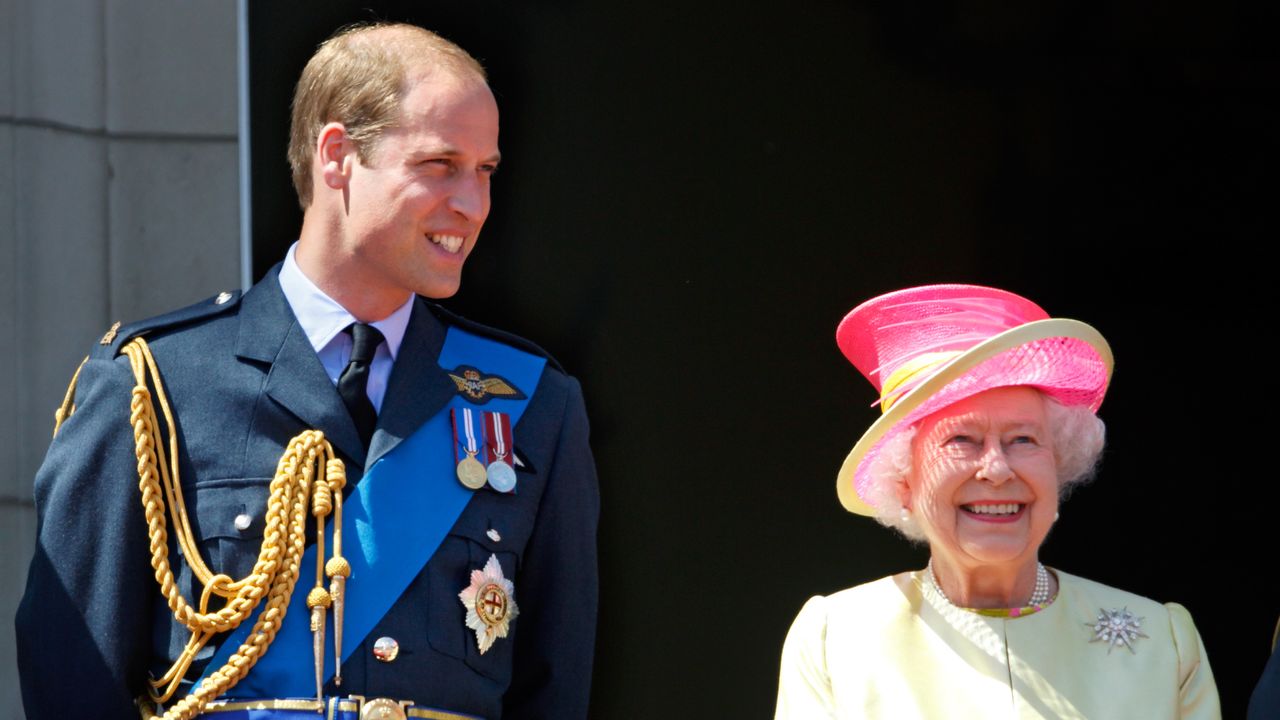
{"x":439,"y":288}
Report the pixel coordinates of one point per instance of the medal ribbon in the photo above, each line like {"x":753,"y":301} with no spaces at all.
{"x":500,"y":440}
{"x":472,"y":447}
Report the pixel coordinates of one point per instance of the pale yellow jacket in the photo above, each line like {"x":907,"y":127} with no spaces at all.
{"x":895,"y":649}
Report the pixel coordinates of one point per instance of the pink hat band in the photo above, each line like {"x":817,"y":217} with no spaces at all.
{"x":927,"y":348}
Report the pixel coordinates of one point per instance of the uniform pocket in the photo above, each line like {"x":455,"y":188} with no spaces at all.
{"x":228,"y":517}
{"x":468,"y":547}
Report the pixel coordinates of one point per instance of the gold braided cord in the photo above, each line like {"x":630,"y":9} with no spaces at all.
{"x":308,"y":473}
{"x":68,"y":405}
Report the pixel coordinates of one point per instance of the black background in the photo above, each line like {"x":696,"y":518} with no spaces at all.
{"x":692,"y":197}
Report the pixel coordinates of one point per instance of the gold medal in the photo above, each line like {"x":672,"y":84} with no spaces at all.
{"x":472,"y":473}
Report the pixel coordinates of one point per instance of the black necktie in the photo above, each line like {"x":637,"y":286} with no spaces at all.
{"x":353,"y":384}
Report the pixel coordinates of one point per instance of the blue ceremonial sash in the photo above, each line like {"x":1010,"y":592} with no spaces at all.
{"x":392,"y":523}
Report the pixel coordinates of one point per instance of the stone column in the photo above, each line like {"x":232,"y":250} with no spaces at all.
{"x":118,"y":200}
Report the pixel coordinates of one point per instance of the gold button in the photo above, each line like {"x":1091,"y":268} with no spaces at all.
{"x":243,"y":521}
{"x":222,"y":298}
{"x":385,"y":649}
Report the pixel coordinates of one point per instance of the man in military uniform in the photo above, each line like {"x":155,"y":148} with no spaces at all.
{"x":467,"y":588}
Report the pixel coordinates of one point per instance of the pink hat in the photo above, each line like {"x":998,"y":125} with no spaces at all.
{"x":928,"y":347}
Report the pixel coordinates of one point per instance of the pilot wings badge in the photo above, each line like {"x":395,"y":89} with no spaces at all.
{"x":479,"y":388}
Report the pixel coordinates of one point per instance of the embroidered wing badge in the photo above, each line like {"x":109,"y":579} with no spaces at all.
{"x":479,"y":388}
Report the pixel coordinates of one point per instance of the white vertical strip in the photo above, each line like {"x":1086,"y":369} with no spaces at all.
{"x":246,"y":203}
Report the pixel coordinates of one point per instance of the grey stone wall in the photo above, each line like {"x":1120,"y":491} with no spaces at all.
{"x":118,"y":200}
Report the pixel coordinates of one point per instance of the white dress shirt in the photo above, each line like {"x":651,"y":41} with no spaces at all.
{"x":323,"y":320}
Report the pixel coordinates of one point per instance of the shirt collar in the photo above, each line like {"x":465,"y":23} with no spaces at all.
{"x":322,"y":318}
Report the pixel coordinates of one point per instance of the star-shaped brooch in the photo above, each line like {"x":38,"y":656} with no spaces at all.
{"x":490,"y":603}
{"x":1117,"y":627}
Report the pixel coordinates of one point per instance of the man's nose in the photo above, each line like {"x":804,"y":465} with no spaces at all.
{"x":470,"y":198}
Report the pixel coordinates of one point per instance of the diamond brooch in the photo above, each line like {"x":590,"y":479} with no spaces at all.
{"x":1117,"y":627}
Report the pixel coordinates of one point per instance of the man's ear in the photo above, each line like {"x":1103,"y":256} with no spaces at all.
{"x":335,"y":153}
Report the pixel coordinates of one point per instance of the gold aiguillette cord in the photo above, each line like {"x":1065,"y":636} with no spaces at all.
{"x":278,"y":566}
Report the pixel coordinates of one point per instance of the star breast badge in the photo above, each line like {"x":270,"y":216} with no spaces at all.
{"x":1117,"y":627}
{"x":479,"y":388}
{"x":490,"y":604}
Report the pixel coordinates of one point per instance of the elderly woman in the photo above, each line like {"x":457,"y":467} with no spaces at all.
{"x":988,"y":416}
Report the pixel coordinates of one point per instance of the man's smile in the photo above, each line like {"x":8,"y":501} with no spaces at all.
{"x":451,"y":243}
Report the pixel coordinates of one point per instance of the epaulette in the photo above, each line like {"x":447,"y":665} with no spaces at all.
{"x":452,"y":318}
{"x":115,"y":338}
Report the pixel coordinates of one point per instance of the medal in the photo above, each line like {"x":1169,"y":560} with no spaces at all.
{"x":502,"y":477}
{"x":471,"y":472}
{"x":490,"y":603}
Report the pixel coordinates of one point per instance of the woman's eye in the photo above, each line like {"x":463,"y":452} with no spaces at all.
{"x":1024,"y":440}
{"x":960,"y":440}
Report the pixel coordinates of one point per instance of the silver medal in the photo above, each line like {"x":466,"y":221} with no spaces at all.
{"x":502,"y":477}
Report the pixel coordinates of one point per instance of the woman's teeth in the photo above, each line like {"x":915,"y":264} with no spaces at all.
{"x":452,"y":243}
{"x":1001,"y":509}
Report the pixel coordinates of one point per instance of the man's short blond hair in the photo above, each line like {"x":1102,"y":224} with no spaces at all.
{"x":358,"y":77}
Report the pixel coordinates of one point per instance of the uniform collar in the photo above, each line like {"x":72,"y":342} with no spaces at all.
{"x":322,"y":318}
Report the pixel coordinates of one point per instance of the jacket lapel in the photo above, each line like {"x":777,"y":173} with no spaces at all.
{"x":269,"y":333}
{"x":418,"y":387}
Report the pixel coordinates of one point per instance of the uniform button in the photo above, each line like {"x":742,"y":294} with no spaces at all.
{"x":493,"y":535}
{"x":386,"y":649}
{"x":243,"y":521}
{"x":222,"y":298}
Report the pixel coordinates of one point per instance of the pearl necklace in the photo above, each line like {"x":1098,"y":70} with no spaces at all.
{"x":1039,"y":594}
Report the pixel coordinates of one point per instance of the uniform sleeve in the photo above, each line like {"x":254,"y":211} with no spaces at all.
{"x":804,"y":688}
{"x":1265,"y":701}
{"x":558,"y":586}
{"x":1197,"y":693}
{"x":83,"y":628}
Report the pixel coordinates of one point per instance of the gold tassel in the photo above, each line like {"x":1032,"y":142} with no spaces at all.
{"x":318,"y":601}
{"x":338,"y":570}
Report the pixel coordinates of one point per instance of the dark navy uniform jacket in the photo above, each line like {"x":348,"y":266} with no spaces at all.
{"x":1265,"y":701}
{"x":242,"y":380}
